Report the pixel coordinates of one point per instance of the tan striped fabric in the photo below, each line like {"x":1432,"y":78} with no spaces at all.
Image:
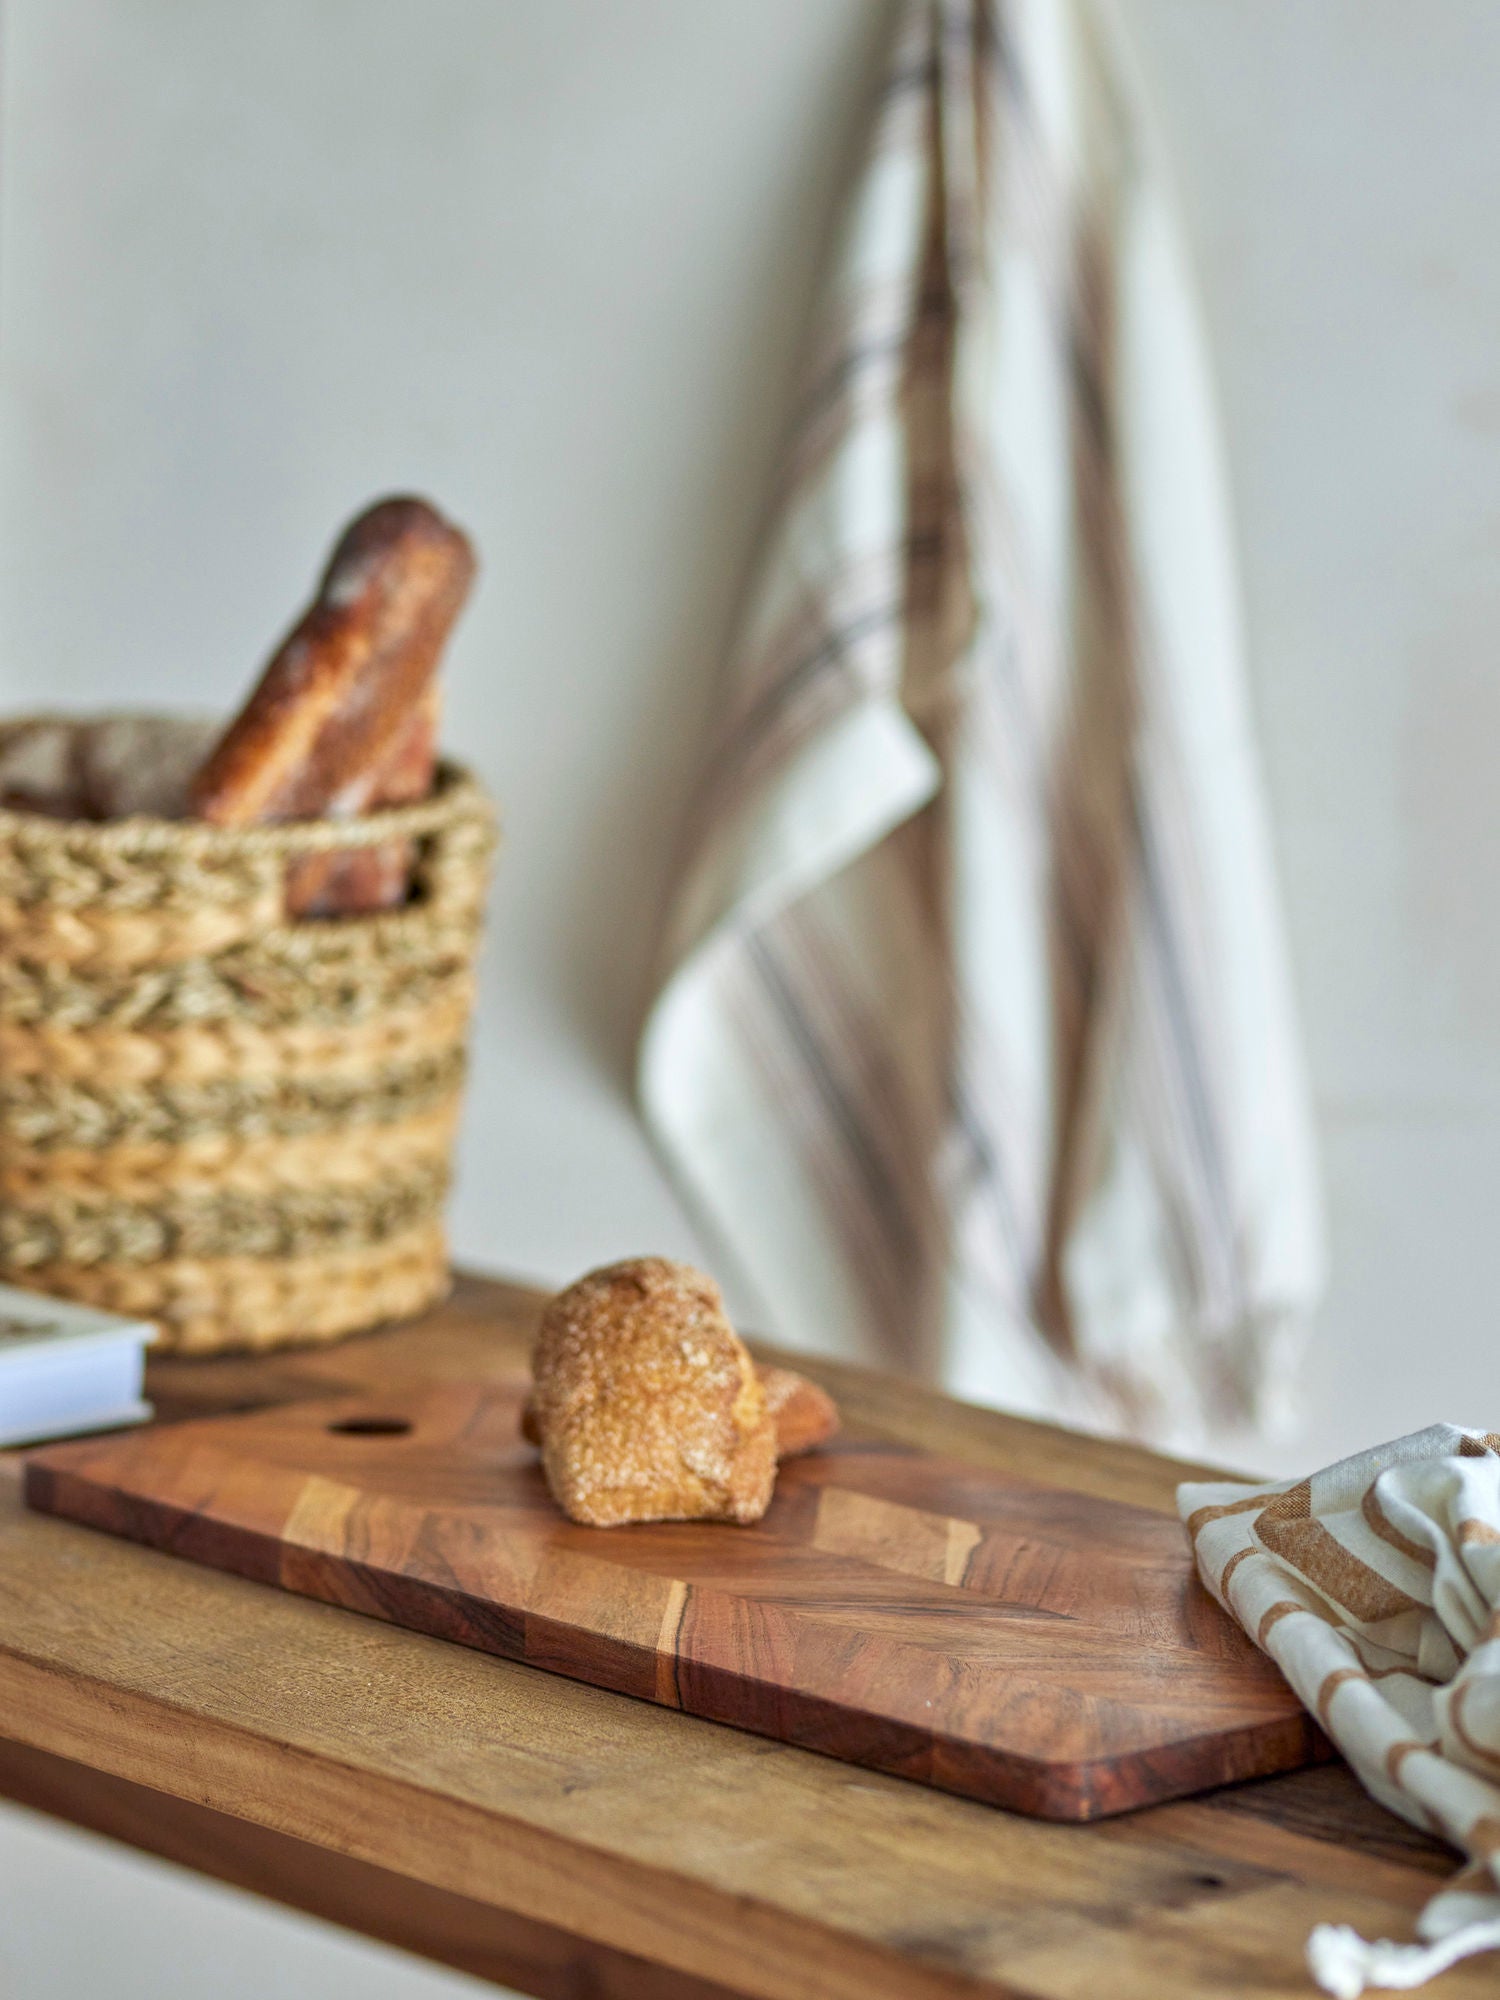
{"x":1375,"y":1586}
{"x":974,"y":1043}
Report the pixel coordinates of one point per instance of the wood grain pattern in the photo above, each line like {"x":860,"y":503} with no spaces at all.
{"x":451,"y":1930}
{"x":1045,"y":1651}
{"x":631,"y":1829}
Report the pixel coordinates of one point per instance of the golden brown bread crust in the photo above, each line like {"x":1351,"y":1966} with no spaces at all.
{"x":336,"y":723}
{"x":339,"y":693}
{"x":648,"y":1405}
{"x":804,"y":1415}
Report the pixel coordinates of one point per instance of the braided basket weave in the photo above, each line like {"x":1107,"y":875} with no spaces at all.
{"x":232,"y":1124}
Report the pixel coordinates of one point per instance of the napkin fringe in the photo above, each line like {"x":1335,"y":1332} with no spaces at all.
{"x":1344,"y":1964}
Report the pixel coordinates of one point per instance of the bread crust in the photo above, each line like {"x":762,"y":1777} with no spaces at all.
{"x":359,"y":880}
{"x":110,"y":767}
{"x":803,"y":1414}
{"x":648,"y":1405}
{"x":344,"y":716}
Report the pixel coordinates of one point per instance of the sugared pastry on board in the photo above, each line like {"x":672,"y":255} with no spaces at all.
{"x":805,"y":1416}
{"x":342,"y":719}
{"x":647,"y":1402}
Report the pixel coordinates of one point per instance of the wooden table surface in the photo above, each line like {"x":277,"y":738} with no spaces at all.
{"x":569,"y":1842}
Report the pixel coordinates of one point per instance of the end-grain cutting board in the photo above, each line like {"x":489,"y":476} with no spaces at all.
{"x":1035,"y":1648}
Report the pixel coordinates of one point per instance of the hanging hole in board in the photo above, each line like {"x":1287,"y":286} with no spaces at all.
{"x":376,"y":1427}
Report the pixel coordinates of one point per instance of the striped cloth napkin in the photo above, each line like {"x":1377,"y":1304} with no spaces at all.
{"x":1375,"y":1587}
{"x":975,"y":1044}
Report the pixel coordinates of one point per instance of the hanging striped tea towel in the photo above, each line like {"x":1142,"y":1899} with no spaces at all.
{"x":974,"y":1044}
{"x":1375,"y":1587}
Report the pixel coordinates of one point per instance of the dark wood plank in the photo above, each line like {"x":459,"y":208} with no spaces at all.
{"x":1035,"y":1648}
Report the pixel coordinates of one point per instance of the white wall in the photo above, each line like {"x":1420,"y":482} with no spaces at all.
{"x":1338,"y":163}
{"x":550,"y":263}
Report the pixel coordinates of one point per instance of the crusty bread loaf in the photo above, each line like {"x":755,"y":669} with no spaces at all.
{"x":106,"y":768}
{"x":343,"y":718}
{"x":362,"y":879}
{"x":804,"y":1415}
{"x":648,"y":1405}
{"x":38,"y":769}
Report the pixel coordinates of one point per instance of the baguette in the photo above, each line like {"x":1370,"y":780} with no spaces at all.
{"x":344,"y":717}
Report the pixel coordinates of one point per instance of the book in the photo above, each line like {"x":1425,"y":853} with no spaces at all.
{"x":67,"y":1368}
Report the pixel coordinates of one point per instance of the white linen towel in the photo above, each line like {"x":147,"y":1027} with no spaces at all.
{"x":975,"y":1043}
{"x":1375,"y":1587}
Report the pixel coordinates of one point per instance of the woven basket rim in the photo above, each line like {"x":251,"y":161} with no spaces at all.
{"x":457,"y":794}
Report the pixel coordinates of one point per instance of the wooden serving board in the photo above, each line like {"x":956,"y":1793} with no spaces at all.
{"x":1039,"y":1649}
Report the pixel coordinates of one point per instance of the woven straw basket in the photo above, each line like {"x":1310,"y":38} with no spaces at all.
{"x":232,"y":1124}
